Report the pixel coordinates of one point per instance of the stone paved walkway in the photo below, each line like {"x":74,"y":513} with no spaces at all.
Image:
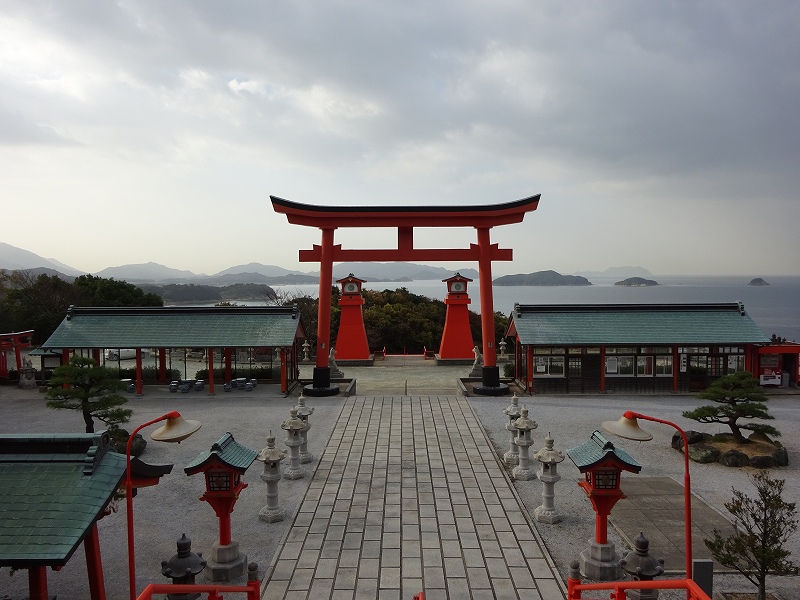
{"x":409,"y":496}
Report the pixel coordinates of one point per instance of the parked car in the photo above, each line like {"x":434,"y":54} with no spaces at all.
{"x":122,"y":353}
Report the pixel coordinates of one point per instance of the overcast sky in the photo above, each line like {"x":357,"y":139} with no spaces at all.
{"x":660,"y":134}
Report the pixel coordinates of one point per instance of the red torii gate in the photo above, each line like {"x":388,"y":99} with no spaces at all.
{"x":330,"y":218}
{"x":13,"y":341}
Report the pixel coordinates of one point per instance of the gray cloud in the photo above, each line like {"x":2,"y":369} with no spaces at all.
{"x":637,"y":103}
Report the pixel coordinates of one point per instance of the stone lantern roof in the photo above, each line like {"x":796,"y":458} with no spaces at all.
{"x":598,"y":450}
{"x":227,"y":453}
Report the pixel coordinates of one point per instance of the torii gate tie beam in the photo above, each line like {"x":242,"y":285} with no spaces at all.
{"x":405,"y":218}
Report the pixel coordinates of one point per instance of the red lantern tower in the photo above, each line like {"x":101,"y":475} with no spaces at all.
{"x":223,"y":467}
{"x":602,"y":465}
{"x":351,"y":342}
{"x":457,"y":341}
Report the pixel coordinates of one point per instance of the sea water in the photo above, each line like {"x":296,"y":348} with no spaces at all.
{"x":775,"y":308}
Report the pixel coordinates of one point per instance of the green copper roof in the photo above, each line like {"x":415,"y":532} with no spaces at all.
{"x":177,"y":327}
{"x":635,"y":324}
{"x":54,"y":487}
{"x":597,"y":449}
{"x":226,"y":452}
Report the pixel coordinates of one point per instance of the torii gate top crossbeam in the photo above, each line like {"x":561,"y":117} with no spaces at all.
{"x":326,"y":217}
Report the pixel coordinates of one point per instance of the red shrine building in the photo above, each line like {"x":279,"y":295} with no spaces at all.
{"x":351,"y":341}
{"x":457,"y":343}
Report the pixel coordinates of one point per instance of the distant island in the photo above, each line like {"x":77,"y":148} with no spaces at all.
{"x":636,"y":282}
{"x":757,"y":281}
{"x":542,"y":278}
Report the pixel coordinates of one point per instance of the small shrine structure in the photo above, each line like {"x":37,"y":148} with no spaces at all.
{"x":15,"y":341}
{"x":352,"y":346}
{"x":457,"y":344}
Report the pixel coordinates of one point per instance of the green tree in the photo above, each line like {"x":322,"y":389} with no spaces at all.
{"x":763,"y":525}
{"x":83,"y":385}
{"x":37,"y":303}
{"x":98,"y":291}
{"x":737,"y":396}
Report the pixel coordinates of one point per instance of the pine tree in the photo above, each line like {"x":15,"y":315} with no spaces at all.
{"x":83,"y":385}
{"x":763,"y":525}
{"x":738,"y":397}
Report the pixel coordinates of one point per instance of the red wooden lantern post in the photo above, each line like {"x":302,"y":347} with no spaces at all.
{"x":351,"y":341}
{"x":457,"y":341}
{"x":602,"y":465}
{"x":223,"y":467}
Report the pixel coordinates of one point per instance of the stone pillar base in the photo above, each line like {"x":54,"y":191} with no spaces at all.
{"x":547,"y":515}
{"x":600,"y":562}
{"x":226,"y":564}
{"x":523,"y":474}
{"x":271,"y":515}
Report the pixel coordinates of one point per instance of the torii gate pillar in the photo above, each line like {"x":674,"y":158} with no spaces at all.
{"x":482,"y":218}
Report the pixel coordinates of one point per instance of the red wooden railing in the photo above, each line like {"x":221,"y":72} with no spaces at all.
{"x":693,"y":591}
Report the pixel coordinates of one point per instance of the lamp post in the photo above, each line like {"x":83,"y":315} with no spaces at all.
{"x":628,"y":427}
{"x":176,"y":429}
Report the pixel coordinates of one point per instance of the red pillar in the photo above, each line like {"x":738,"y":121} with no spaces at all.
{"x":64,"y":356}
{"x":490,"y":374}
{"x":138,"y":371}
{"x":96,"y":355}
{"x":162,"y":365}
{"x":94,"y":564}
{"x":284,"y":373}
{"x":210,"y":371}
{"x":529,"y":364}
{"x":675,"y":359}
{"x":487,"y":301}
{"x":322,"y":374}
{"x":228,"y":364}
{"x":602,"y":369}
{"x":18,"y":355}
{"x":37,"y":583}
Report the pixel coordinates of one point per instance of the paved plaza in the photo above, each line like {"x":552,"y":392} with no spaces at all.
{"x":409,"y":496}
{"x":405,"y":492}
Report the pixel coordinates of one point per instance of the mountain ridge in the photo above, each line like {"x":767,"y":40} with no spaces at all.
{"x":13,"y":258}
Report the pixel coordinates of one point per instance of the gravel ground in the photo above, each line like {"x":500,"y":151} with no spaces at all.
{"x":571,"y":420}
{"x":171,"y":508}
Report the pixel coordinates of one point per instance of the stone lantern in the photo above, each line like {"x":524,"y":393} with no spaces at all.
{"x":306,"y":352}
{"x":303,"y":412}
{"x":548,"y":475}
{"x":511,"y":457}
{"x":223,"y":467}
{"x":602,"y":465}
{"x":293,"y":426}
{"x":271,"y":457}
{"x":642,"y":567}
{"x":524,"y":441}
{"x":183,"y":567}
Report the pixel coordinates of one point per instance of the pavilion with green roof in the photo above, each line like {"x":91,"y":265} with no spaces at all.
{"x":219,"y":330}
{"x":640,"y":348}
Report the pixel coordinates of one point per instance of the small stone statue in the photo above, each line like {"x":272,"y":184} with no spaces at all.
{"x":477,"y":366}
{"x":335,"y":371}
